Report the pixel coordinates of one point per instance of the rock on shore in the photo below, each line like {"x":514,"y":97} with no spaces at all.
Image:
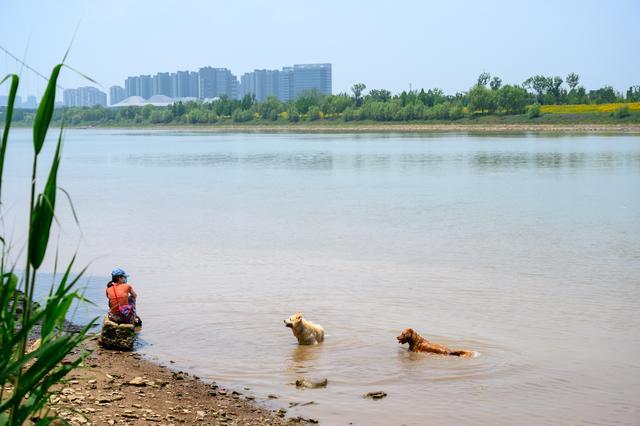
{"x":117,"y":336}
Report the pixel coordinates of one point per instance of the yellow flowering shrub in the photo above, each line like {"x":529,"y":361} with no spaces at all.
{"x":587,"y":109}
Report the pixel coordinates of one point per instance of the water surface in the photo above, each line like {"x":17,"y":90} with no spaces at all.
{"x":525,"y":248}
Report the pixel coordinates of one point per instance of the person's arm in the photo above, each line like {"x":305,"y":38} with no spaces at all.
{"x":133,"y":293}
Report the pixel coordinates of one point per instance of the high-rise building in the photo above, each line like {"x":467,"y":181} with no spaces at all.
{"x":116,"y":94}
{"x":84,"y":97}
{"x":162,"y":84}
{"x":30,"y":103}
{"x":194,"y":84}
{"x":312,"y":76}
{"x":132,"y":86}
{"x":262,"y":83}
{"x":145,"y":86}
{"x":185,"y":84}
{"x":174,"y":83}
{"x":70,"y":97}
{"x":285,"y":84}
{"x":215,"y":82}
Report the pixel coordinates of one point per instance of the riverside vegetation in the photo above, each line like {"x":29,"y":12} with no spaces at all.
{"x":539,"y":99}
{"x":28,"y":371}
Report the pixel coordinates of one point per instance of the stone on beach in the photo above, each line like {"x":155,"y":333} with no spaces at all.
{"x":311,"y":384}
{"x":137,"y":381}
{"x":117,"y":336}
{"x":376,"y":395}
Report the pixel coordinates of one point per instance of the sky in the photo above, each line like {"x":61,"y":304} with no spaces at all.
{"x":384,"y":44}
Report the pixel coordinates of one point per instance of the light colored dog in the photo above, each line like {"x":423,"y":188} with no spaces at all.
{"x":306,"y":332}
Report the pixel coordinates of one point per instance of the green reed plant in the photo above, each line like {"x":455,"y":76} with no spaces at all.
{"x":26,"y":377}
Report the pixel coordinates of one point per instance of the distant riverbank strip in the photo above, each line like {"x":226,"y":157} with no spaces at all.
{"x":455,"y":127}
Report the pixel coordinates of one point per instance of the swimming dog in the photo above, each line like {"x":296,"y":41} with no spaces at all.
{"x":417,"y":343}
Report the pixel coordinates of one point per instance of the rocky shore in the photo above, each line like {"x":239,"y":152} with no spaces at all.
{"x":114,"y":387}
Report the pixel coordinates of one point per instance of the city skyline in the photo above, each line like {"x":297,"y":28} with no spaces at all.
{"x":207,"y":83}
{"x":211,"y":82}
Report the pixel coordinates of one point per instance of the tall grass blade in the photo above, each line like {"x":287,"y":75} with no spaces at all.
{"x":7,"y":123}
{"x":83,"y":75}
{"x":43,"y":213}
{"x":73,"y":210}
{"x":45,"y":111}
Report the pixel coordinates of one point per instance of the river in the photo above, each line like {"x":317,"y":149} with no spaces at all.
{"x":524,"y":248}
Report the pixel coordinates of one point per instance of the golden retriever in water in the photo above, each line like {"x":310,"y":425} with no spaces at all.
{"x":417,"y":343}
{"x":306,"y":332}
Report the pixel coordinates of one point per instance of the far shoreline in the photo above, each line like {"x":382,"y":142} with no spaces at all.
{"x":487,"y":128}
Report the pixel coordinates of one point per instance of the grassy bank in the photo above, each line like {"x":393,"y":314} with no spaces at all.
{"x":553,"y":118}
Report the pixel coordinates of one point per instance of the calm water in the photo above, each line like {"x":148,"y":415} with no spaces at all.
{"x":523,"y":248}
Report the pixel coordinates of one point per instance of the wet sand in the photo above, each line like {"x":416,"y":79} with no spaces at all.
{"x":113,"y":387}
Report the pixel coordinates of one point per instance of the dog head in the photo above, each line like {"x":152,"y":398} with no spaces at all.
{"x":293,"y":320}
{"x":406,"y":336}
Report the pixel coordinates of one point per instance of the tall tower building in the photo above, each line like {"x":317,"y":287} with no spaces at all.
{"x":116,"y":94}
{"x":145,"y":86}
{"x":162,"y":84}
{"x":84,"y":97}
{"x":285,"y":84}
{"x":132,"y":86}
{"x":215,"y":82}
{"x":312,"y":76}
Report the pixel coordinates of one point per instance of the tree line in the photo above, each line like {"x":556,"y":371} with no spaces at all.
{"x":487,"y":96}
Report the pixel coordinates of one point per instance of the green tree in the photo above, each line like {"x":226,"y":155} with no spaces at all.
{"x":293,"y":114}
{"x":554,"y":89}
{"x":604,"y":95}
{"x":248,"y":100}
{"x":432,"y":97}
{"x":573,"y":80}
{"x":267,"y":108}
{"x":336,"y":104}
{"x":483,"y":79}
{"x":350,"y":114}
{"x":539,"y":84}
{"x":456,"y":112}
{"x":314,"y":113}
{"x":379,"y":95}
{"x":512,"y":99}
{"x":633,"y":94}
{"x":307,"y":99}
{"x":481,"y":99}
{"x":357,"y":90}
{"x":496,"y":83}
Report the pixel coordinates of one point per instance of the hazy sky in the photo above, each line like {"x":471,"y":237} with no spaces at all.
{"x":385,"y":44}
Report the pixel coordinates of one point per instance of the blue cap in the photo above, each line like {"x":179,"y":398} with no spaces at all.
{"x":119,"y":273}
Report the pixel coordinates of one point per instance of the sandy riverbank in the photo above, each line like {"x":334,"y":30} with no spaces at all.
{"x":115,"y":387}
{"x":455,"y":127}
